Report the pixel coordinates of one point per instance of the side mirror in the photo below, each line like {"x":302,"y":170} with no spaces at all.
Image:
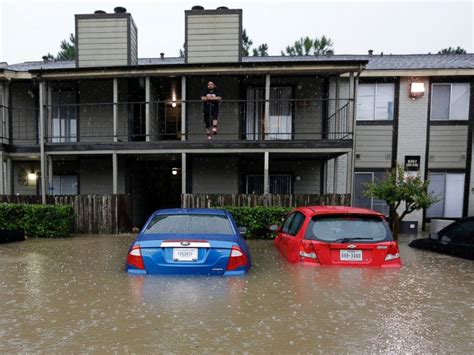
{"x":274,"y":228}
{"x":242,"y":230}
{"x":433,"y":236}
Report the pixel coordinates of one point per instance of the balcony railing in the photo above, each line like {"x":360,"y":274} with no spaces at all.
{"x":238,"y":120}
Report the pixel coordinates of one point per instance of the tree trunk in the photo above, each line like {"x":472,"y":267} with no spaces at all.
{"x":396,"y":227}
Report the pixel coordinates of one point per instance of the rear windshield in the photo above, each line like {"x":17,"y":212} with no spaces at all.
{"x":189,"y":224}
{"x":347,"y":228}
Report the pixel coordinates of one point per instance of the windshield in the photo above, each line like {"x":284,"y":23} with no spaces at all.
{"x":189,"y":224}
{"x":346,"y":228}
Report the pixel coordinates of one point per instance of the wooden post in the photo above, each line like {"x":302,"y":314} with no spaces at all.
{"x":183,"y":173}
{"x":50,"y":176}
{"x":114,"y":173}
{"x":183,"y":108}
{"x":354,"y":124}
{"x":115,"y":95}
{"x":2,"y":176}
{"x":267,"y":105}
{"x":42,"y":94}
{"x":147,"y":108}
{"x":266,"y":180}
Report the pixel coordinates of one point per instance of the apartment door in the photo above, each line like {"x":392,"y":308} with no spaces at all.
{"x":64,"y":117}
{"x":280,"y":121}
{"x":449,"y":188}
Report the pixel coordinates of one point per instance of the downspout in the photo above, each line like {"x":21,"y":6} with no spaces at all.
{"x":354,"y":117}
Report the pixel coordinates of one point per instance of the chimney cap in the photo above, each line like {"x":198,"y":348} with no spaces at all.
{"x":45,"y":59}
{"x":162,"y":55}
{"x":222,"y":8}
{"x":371,"y":51}
{"x":99,"y":12}
{"x":197,"y":7}
{"x":120,"y":10}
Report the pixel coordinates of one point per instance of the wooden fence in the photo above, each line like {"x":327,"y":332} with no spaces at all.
{"x":241,"y":200}
{"x":105,"y":214}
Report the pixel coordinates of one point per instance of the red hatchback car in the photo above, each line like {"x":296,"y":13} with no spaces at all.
{"x":337,"y":235}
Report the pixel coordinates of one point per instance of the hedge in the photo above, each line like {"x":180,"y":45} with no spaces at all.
{"x":37,"y":221}
{"x":257,"y":219}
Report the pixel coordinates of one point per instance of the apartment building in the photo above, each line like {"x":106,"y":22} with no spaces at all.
{"x":112,"y":123}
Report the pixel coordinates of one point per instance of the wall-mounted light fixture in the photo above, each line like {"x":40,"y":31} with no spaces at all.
{"x":173,"y":104}
{"x":298,"y":178}
{"x":174,"y":171}
{"x":416,"y":89}
{"x":32,"y":177}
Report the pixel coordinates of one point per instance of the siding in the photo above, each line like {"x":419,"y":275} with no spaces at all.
{"x":215,"y":175}
{"x":374,"y":146}
{"x":447,"y":147}
{"x":133,"y":43}
{"x":24,"y":113}
{"x":102,"y":41}
{"x":213,"y":38}
{"x":95,"y":176}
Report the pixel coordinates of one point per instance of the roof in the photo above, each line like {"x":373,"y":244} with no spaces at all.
{"x":375,"y":62}
{"x":325,"y":210}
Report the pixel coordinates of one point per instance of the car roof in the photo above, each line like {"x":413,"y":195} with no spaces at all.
{"x":326,"y":210}
{"x":192,"y":211}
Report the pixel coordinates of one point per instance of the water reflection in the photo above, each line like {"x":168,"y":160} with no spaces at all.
{"x":73,"y":295}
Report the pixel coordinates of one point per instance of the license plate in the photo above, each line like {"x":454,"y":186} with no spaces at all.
{"x":185,"y":254}
{"x":351,"y":255}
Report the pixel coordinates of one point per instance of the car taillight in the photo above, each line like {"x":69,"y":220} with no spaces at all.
{"x":134,"y":258}
{"x":237,"y":259}
{"x":392,"y":253}
{"x":307,"y":251}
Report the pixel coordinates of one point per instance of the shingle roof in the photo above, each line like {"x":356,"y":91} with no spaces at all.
{"x":376,"y":62}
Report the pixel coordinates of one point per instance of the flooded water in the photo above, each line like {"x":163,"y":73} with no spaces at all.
{"x":73,"y":295}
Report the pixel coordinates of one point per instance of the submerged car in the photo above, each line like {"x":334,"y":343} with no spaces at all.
{"x":456,"y":239}
{"x":189,"y":241}
{"x":336,"y":235}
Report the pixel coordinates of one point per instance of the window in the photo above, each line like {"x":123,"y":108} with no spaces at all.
{"x":64,"y":185}
{"x":375,"y":102}
{"x":449,"y":188}
{"x":280,"y":184}
{"x":293,"y":223}
{"x":64,"y":117}
{"x":450,"y":101}
{"x":189,"y":224}
{"x":361,"y":179}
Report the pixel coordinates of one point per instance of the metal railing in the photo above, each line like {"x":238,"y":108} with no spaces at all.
{"x":238,"y":120}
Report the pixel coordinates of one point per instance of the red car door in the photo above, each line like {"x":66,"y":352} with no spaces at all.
{"x":281,"y":240}
{"x":290,"y":238}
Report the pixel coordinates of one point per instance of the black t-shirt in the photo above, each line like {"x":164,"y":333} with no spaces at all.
{"x":210,"y":106}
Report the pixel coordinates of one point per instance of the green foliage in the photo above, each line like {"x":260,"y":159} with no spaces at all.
{"x":246,"y":43}
{"x":257,"y":219}
{"x":261,"y":51}
{"x":452,"y":50}
{"x":38,"y":221}
{"x":408,"y":192}
{"x":307,"y":46}
{"x":67,"y":52}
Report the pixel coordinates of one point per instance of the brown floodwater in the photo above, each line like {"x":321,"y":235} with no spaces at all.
{"x":73,"y":295}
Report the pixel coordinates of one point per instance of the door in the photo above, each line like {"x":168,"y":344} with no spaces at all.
{"x":279,"y":123}
{"x":64,"y":117}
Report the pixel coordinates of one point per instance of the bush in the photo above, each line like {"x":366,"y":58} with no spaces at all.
{"x":257,"y":219}
{"x":37,"y":221}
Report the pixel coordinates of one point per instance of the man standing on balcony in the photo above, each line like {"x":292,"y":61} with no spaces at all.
{"x":210,"y":108}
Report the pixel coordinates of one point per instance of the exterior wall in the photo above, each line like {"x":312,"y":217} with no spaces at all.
{"x":374,"y":146}
{"x":229,"y":115}
{"x":95,"y":176}
{"x":102,"y":41}
{"x":471,"y":187}
{"x":96,"y":120}
{"x":447,"y":147}
{"x":215,"y":175}
{"x":308,"y":114}
{"x":24,"y":113}
{"x":213,"y":36}
{"x":133,"y":42}
{"x":412,"y":131}
{"x":21,"y":184}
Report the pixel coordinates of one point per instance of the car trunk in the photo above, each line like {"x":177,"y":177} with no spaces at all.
{"x":370,"y":254}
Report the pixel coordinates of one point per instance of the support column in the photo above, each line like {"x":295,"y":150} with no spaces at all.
{"x":9,"y":175}
{"x":267,"y":105}
{"x":114,"y":173}
{"x":147,"y":108}
{"x":266,"y":180}
{"x":6,"y":97}
{"x":115,"y":94}
{"x":183,"y":108}
{"x":50,"y":176}
{"x":354,"y":137}
{"x":42,"y":93}
{"x":183,"y":173}
{"x":2,"y":176}
{"x":337,"y":125}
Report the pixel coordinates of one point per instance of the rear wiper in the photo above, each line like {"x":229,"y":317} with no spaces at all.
{"x":347,"y":240}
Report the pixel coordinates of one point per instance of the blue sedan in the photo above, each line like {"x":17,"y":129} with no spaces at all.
{"x":189,"y":241}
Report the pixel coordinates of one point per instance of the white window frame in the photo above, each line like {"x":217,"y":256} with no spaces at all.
{"x":443,"y":198}
{"x":450,"y":102}
{"x":375,"y":103}
{"x":372,"y":173}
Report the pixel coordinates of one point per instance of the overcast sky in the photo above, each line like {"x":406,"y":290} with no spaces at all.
{"x":31,"y":29}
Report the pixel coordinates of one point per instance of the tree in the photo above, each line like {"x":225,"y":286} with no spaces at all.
{"x":451,"y":50}
{"x":67,"y":52}
{"x":261,"y":51}
{"x":398,"y":189}
{"x":246,"y":44}
{"x":307,"y":46}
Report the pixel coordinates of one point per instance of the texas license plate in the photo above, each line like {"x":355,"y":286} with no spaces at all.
{"x":185,"y":254}
{"x":351,"y":255}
